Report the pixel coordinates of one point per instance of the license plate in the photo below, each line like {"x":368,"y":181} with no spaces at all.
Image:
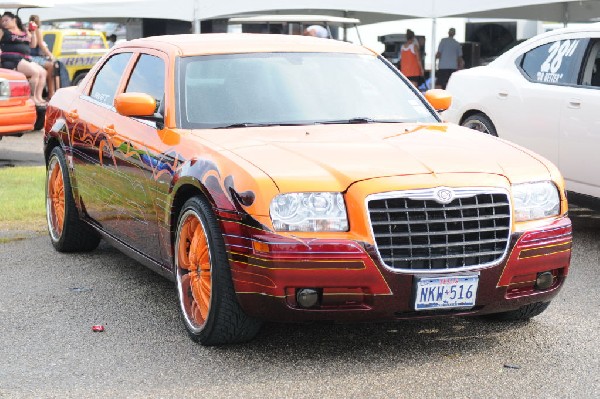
{"x":446,"y":292}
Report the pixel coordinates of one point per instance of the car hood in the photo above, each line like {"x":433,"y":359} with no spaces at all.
{"x":332,"y":157}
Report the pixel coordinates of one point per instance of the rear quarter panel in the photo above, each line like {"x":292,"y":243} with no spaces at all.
{"x":16,"y":114}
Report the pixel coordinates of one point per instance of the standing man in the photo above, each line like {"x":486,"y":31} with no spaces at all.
{"x":450,"y":55}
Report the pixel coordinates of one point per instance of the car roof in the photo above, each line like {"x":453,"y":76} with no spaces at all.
{"x":236,"y":43}
{"x":592,"y":27}
{"x":508,"y":55}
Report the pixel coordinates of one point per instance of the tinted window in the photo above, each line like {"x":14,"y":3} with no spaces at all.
{"x":50,"y":38}
{"x":107,"y":79}
{"x":148,"y":77}
{"x":555,"y":62}
{"x":590,"y":75}
{"x":294,"y":88}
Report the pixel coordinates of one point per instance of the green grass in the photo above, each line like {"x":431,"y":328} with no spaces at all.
{"x":22,"y":198}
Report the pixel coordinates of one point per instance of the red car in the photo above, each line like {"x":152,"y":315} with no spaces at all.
{"x":17,"y":109}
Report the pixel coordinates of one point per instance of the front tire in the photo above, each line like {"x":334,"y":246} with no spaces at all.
{"x":481,"y":123}
{"x":68,"y":233}
{"x":209,"y":306}
{"x":523,"y":313}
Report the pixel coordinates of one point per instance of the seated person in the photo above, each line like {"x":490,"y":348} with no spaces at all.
{"x":40,"y":53}
{"x":14,"y":44}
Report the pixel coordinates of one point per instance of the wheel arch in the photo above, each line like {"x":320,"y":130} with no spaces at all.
{"x":185,"y":189}
{"x":50,"y":144}
{"x":470,"y":113}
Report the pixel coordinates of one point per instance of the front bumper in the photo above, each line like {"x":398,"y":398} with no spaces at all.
{"x":268,"y":269}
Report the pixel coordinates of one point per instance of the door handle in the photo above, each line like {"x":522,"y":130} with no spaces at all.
{"x":502,"y":95}
{"x":575,"y":103}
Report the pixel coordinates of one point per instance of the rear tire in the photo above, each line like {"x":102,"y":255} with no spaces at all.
{"x":207,"y":299}
{"x":39,"y":118}
{"x":523,"y":313}
{"x":68,"y":233}
{"x":77,"y":79}
{"x":481,"y":123}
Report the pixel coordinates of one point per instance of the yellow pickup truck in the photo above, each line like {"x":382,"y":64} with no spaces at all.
{"x":77,"y":49}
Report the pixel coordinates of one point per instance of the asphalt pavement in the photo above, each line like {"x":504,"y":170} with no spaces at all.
{"x":26,"y":150}
{"x":50,"y":301}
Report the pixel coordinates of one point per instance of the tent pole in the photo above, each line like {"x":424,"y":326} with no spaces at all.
{"x":434,"y":40}
{"x":197,"y":28}
{"x":345,"y":27}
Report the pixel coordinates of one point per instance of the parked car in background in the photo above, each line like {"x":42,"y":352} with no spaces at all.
{"x":17,"y":109}
{"x":77,"y":49}
{"x":291,"y":178}
{"x":544,"y":95}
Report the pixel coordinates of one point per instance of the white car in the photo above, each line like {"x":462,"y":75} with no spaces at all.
{"x":543,"y":94}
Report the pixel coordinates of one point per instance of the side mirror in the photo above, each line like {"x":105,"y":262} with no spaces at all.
{"x":135,"y":104}
{"x":439,"y":99}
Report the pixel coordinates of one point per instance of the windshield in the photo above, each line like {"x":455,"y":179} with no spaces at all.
{"x":293,"y":88}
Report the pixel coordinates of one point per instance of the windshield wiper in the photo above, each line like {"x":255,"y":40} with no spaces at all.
{"x":357,"y":120}
{"x":245,"y":124}
{"x":249,"y":124}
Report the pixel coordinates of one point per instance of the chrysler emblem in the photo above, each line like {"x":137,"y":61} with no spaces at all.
{"x":444,"y":195}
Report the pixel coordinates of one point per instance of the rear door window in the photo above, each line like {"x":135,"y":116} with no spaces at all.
{"x":556,"y":62}
{"x":590,"y":72}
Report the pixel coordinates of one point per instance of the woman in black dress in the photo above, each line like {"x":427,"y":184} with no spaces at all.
{"x":14,"y":43}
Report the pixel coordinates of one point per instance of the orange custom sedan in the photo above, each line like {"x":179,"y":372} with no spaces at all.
{"x":17,"y":109}
{"x":291,"y":178}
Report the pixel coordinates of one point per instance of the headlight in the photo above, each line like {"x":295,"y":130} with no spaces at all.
{"x":309,"y":212}
{"x":535,"y":200}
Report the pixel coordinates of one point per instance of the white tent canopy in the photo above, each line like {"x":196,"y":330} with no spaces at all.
{"x":14,"y":4}
{"x":551,"y":11}
{"x":367,"y":11}
{"x":190,"y":10}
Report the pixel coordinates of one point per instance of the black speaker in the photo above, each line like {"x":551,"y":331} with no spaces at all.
{"x":471,"y":54}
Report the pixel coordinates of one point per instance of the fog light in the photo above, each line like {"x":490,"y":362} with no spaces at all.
{"x":307,"y":297}
{"x":544,"y":280}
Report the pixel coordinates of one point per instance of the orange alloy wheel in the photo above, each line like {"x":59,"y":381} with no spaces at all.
{"x":193,"y":271}
{"x":55,"y":201}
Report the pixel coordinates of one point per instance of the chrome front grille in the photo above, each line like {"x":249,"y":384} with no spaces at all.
{"x":414,"y":231}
